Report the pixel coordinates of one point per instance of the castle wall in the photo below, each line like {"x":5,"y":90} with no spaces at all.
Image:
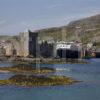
{"x":24,"y":44}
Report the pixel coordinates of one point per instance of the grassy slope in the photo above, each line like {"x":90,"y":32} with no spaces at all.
{"x":86,"y":23}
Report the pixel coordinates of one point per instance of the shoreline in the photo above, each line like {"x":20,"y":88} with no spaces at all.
{"x":34,"y":81}
{"x":22,"y":68}
{"x":43,"y":60}
{"x":27,"y":75}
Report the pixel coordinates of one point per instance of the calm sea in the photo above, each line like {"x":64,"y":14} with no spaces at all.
{"x":89,"y":89}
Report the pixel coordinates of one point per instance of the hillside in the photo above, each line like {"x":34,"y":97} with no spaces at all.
{"x":89,"y":26}
{"x":9,"y":38}
{"x":89,"y":29}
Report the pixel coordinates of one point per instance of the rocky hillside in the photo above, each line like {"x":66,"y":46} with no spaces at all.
{"x":89,"y":26}
{"x":89,"y":29}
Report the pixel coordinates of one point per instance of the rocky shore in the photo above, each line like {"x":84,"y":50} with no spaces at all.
{"x":33,"y":81}
{"x":29,"y":76}
{"x":25,"y":68}
{"x":42,"y":60}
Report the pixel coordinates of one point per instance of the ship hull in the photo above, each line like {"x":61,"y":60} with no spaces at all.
{"x":67,"y":53}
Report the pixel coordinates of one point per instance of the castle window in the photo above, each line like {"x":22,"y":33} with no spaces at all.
{"x":30,"y":39}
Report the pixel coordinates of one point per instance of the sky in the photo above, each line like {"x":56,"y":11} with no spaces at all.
{"x":20,"y":15}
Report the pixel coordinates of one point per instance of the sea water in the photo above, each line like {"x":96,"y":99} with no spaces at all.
{"x":88,"y":89}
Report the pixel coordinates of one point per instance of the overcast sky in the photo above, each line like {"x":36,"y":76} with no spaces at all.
{"x":20,"y":15}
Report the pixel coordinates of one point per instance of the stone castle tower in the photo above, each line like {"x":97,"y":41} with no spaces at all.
{"x":28,"y":44}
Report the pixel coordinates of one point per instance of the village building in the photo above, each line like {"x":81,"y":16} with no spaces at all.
{"x":8,"y":49}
